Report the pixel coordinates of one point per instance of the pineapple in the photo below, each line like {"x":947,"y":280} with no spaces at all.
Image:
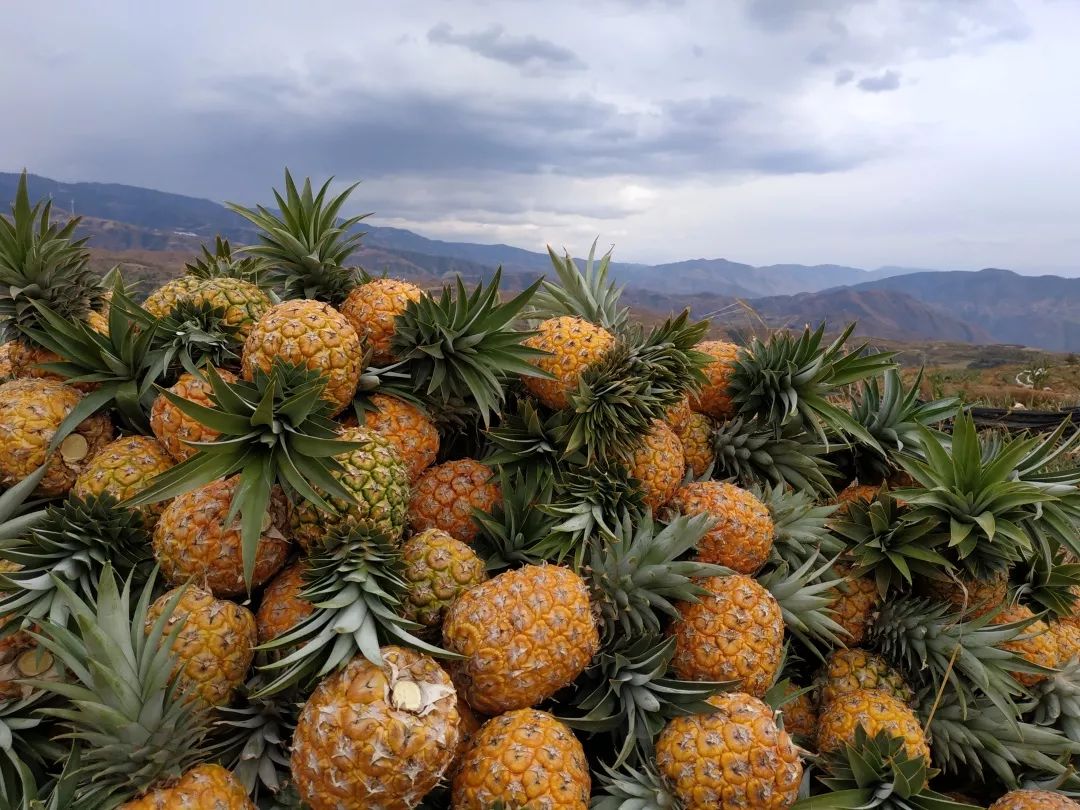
{"x":282,"y":607}
{"x":445,"y":496}
{"x":972,"y":596}
{"x":855,"y":601}
{"x":524,"y":635}
{"x":406,"y":427}
{"x":165,"y":298}
{"x":204,"y":787}
{"x":733,"y":757}
{"x":377,"y":481}
{"x":523,"y":758}
{"x":438,"y":569}
{"x":8,"y":360}
{"x":658,"y":465}
{"x":743,"y":535}
{"x":14,"y":642}
{"x":174,"y":428}
{"x":856,"y":493}
{"x":31,"y":411}
{"x":1036,"y":644}
{"x":312,"y":335}
{"x":734,"y":633}
{"x":373,"y":308}
{"x":1034,"y":800}
{"x":696,"y":437}
{"x":122,"y":468}
{"x":799,"y":712}
{"x":678,"y":415}
{"x":875,"y":712}
{"x":854,"y":669}
{"x":376,"y":736}
{"x":241,"y":302}
{"x":195,"y":539}
{"x":215,"y":643}
{"x":571,"y":346}
{"x":714,"y":399}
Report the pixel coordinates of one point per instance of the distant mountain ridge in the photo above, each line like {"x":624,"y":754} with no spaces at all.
{"x":894,"y":303}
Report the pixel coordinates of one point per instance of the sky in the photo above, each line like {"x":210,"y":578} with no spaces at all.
{"x":920,"y":133}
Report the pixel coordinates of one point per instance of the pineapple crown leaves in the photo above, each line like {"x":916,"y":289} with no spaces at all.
{"x":126,"y":705}
{"x":193,"y":335}
{"x":27,"y":750}
{"x":527,"y":438}
{"x":511,"y":532}
{"x":977,"y":499}
{"x":1055,"y":702}
{"x":305,"y":242}
{"x":750,"y":452}
{"x":929,"y":644}
{"x":637,"y":786}
{"x":627,"y":694}
{"x":790,"y":379}
{"x":586,"y":294}
{"x":800,"y":525}
{"x":72,"y":543}
{"x":1047,"y":581}
{"x":223,"y":263}
{"x":805,"y":595}
{"x":41,"y":263}
{"x":877,"y":773}
{"x":354,"y":585}
{"x":889,"y":547}
{"x":636,"y":574}
{"x":634,"y":384}
{"x":274,"y":430}
{"x":976,"y":737}
{"x":461,"y":346}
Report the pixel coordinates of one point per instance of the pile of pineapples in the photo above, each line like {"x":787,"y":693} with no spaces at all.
{"x":287,"y":535}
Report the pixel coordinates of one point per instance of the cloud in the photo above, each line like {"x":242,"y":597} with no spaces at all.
{"x":844,"y":76}
{"x":885,"y":83}
{"x":494,"y":43}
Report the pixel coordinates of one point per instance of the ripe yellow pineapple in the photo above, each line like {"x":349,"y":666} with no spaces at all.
{"x":379,"y":482}
{"x":312,"y":335}
{"x":524,"y":635}
{"x":735,"y":633}
{"x":697,"y":442}
{"x":713,"y":399}
{"x":407,"y":428}
{"x":875,"y":711}
{"x":438,"y":569}
{"x":123,"y":468}
{"x":744,"y":532}
{"x":1035,"y":643}
{"x":445,"y":495}
{"x":469,"y":726}
{"x":658,"y":464}
{"x":735,"y":757}
{"x":243,"y":302}
{"x":215,"y":648}
{"x":856,"y":492}
{"x":678,"y":415}
{"x":854,"y":603}
{"x":854,"y":669}
{"x":573,"y":344}
{"x":374,"y":736}
{"x":173,"y":428}
{"x":800,"y":713}
{"x":7,"y":354}
{"x":30,"y":412}
{"x":371,"y":309}
{"x":193,"y":540}
{"x":970,"y":595}
{"x":204,"y":787}
{"x":159,"y":302}
{"x":282,"y":607}
{"x":524,"y":758}
{"x":1034,"y":800}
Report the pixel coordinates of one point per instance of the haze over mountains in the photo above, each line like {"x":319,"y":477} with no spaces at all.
{"x":895,"y":303}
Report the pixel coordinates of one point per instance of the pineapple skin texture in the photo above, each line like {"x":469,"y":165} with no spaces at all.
{"x":205,"y":787}
{"x":372,"y":309}
{"x":353,"y":749}
{"x":875,"y":711}
{"x":853,"y":669}
{"x":713,"y":398}
{"x":8,"y":359}
{"x":696,"y":438}
{"x":573,"y":344}
{"x":282,"y":607}
{"x":733,"y":759}
{"x":215,"y":648}
{"x":1036,"y":644}
{"x":30,"y":412}
{"x":658,"y":465}
{"x":173,"y":428}
{"x":1034,"y":800}
{"x":524,"y":635}
{"x":312,"y":335}
{"x":192,"y":540}
{"x":734,"y":633}
{"x":852,"y":493}
{"x":854,"y":603}
{"x":524,"y":758}
{"x":379,"y":482}
{"x":445,"y":495}
{"x":99,"y":322}
{"x":159,"y":302}
{"x":438,"y":569}
{"x":243,"y":302}
{"x":975,"y":597}
{"x":744,"y":532}
{"x":800,"y":714}
{"x":407,"y":428}
{"x":124,"y":468}
{"x":678,"y":414}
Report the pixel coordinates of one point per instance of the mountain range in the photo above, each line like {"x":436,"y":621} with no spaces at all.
{"x":152,"y":231}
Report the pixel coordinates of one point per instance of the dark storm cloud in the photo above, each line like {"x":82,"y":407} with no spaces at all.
{"x":495,"y":43}
{"x":886,"y":82}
